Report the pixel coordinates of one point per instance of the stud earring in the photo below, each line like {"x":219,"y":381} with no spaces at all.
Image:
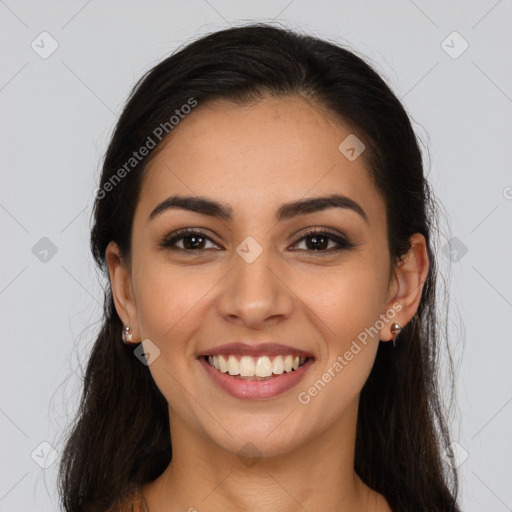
{"x":127,"y":335}
{"x":395,"y":331}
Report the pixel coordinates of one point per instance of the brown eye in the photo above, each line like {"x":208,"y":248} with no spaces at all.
{"x":315,"y":241}
{"x":192,"y":241}
{"x":318,"y":241}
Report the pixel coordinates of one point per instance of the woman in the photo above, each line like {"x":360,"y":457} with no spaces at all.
{"x":270,"y":331}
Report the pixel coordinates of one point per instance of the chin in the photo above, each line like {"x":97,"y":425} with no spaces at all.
{"x":255,"y":441}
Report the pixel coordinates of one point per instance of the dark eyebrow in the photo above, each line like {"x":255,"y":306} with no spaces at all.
{"x":194,"y":204}
{"x":224,"y":212}
{"x":317,"y":204}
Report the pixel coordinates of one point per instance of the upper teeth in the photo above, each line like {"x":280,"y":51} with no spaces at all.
{"x":262,"y":366}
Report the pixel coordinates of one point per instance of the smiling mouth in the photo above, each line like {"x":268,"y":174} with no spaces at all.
{"x":255,"y":368}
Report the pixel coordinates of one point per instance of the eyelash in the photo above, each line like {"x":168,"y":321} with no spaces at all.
{"x":343,"y":243}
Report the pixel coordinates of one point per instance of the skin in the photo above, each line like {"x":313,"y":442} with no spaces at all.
{"x":255,"y":158}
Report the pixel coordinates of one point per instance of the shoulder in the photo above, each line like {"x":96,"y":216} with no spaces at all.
{"x":132,"y":500}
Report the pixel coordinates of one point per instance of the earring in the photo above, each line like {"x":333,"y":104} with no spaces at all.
{"x":395,"y":331}
{"x":127,"y":335}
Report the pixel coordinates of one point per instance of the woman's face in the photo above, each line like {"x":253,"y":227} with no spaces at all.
{"x":254,"y":277}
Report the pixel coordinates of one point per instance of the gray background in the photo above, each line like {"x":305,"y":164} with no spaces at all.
{"x":57,"y":113}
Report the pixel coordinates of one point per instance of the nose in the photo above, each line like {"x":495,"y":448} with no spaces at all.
{"x":255,"y":293}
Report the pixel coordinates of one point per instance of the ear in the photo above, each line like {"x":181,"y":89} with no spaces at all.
{"x":406,"y":286}
{"x":121,"y":283}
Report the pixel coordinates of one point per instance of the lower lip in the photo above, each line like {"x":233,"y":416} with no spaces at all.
{"x":256,"y":389}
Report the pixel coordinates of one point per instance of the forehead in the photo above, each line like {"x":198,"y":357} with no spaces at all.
{"x":274,"y":150}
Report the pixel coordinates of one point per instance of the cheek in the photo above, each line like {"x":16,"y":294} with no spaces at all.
{"x":349,"y":301}
{"x":347,"y":309}
{"x":168,"y":300}
{"x":348,"y":312}
{"x":168,"y":304}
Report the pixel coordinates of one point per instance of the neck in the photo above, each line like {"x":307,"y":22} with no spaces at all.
{"x":318,"y":475}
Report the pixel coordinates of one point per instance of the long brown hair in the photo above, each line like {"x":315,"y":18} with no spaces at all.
{"x":120,"y":437}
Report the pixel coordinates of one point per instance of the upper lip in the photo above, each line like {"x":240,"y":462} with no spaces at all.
{"x":260,"y":349}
